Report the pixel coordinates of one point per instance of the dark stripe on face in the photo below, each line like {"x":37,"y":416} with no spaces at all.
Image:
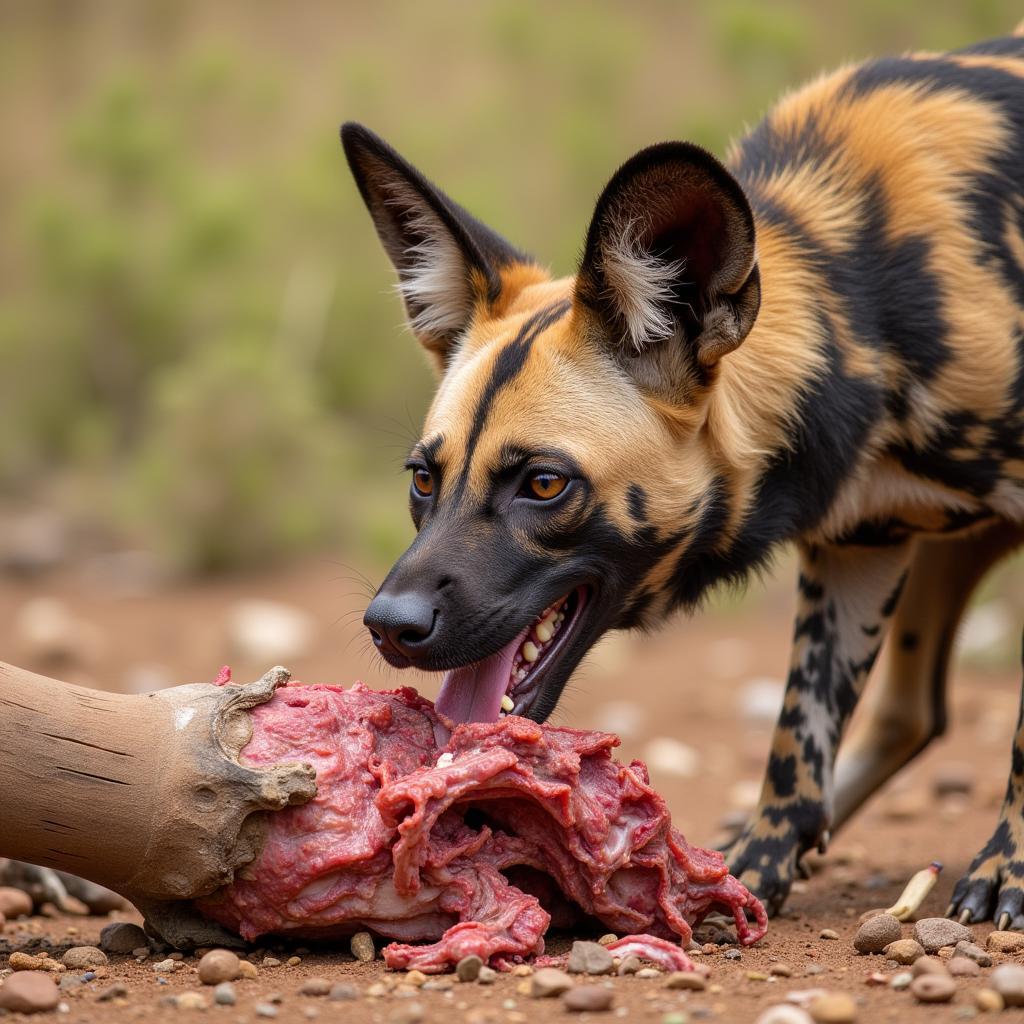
{"x":507,"y":366}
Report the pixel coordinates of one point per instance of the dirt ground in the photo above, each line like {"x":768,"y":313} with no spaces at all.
{"x":708,"y":684}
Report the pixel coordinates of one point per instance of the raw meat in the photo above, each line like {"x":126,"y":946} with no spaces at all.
{"x":469,"y":843}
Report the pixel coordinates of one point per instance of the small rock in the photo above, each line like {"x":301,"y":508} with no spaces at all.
{"x":687,"y":980}
{"x":166,"y":966}
{"x":70,"y":982}
{"x":608,"y":939}
{"x":588,"y":998}
{"x":589,"y":958}
{"x":78,"y":958}
{"x":121,"y":937}
{"x":362,"y":947}
{"x":1008,"y":981}
{"x":14,"y":903}
{"x":784,"y":1013}
{"x":647,"y":973}
{"x":219,"y":965}
{"x":935,"y":932}
{"x":963,"y":967}
{"x":468,"y":968}
{"x":549,"y":981}
{"x":928,"y":965}
{"x":224,"y":994}
{"x":877,"y":933}
{"x":933,"y":988}
{"x":781,"y":970}
{"x":411,"y":1013}
{"x":270,"y":961}
{"x":901,"y":981}
{"x":116,"y":991}
{"x":988,"y":1000}
{"x":524,"y":970}
{"x":377,"y":989}
{"x":630,"y":965}
{"x":248,"y":970}
{"x":828,"y":933}
{"x":973,"y":952}
{"x":833,"y":1008}
{"x":732,"y":954}
{"x":191,"y":1001}
{"x":814,"y":969}
{"x":1005,"y":942}
{"x":904,"y":951}
{"x":343,"y":992}
{"x":141,"y":953}
{"x":437,"y":985}
{"x":315,"y":987}
{"x":29,"y":992}
{"x":265,"y":1010}
{"x":756,"y":976}
{"x":487,"y":975}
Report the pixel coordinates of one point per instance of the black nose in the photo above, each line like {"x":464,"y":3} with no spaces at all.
{"x":401,"y":624}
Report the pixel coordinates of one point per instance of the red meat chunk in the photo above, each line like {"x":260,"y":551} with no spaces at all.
{"x":468,"y":843}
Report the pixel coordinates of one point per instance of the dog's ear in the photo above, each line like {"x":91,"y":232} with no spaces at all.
{"x":669,"y":257}
{"x":447,"y":261}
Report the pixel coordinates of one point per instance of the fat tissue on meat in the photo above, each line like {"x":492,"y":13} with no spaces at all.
{"x":468,"y":843}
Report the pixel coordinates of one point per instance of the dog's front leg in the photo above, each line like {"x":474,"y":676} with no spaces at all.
{"x":847,"y":596}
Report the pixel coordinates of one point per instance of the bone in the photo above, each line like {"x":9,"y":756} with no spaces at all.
{"x":143,"y":794}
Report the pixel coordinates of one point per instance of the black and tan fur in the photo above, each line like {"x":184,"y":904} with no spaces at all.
{"x":821,"y":342}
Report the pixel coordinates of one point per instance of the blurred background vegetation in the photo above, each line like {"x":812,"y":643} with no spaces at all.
{"x":199,"y":351}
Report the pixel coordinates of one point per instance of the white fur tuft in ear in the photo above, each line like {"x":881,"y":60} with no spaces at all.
{"x":640,"y":285}
{"x":434,"y":280}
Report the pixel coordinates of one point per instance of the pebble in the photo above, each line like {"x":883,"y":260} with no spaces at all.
{"x":70,"y":982}
{"x":687,"y":980}
{"x":935,"y":932}
{"x":933,"y":988}
{"x":928,"y":965}
{"x":14,"y":903}
{"x":833,"y":1008}
{"x":608,"y":939}
{"x":80,"y":957}
{"x":781,"y":970}
{"x":411,"y":1013}
{"x":963,"y":967}
{"x":315,"y":987}
{"x":904,"y":951}
{"x":732,"y":954}
{"x":647,"y":973}
{"x":166,"y":966}
{"x":116,"y":991}
{"x":549,"y":981}
{"x":901,"y":981}
{"x":589,"y":958}
{"x":1008,"y":981}
{"x":191,"y":1001}
{"x":1005,"y":942}
{"x":630,"y":965}
{"x":468,"y":968}
{"x":784,"y":1013}
{"x":362,"y":947}
{"x":343,"y":991}
{"x":437,"y":985}
{"x":123,"y":937}
{"x":828,"y":933}
{"x":877,"y":933}
{"x":224,"y":994}
{"x":877,"y":978}
{"x":988,"y":1000}
{"x":973,"y":952}
{"x":271,"y":961}
{"x":588,"y":998}
{"x":29,"y":992}
{"x":265,"y":1010}
{"x":523,"y":970}
{"x":219,"y":965}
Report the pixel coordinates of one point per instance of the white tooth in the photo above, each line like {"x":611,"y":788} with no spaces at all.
{"x":545,"y":630}
{"x":506,"y":703}
{"x":559,"y":618}
{"x":530,"y":652}
{"x":521,"y":674}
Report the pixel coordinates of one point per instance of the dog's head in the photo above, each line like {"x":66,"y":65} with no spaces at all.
{"x":567,"y":462}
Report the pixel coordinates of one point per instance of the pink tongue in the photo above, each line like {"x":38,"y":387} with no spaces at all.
{"x":473,"y":694}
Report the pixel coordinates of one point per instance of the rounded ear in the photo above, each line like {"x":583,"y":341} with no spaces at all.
{"x":447,"y":261}
{"x":671,"y":250}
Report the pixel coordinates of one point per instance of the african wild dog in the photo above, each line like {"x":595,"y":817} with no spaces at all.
{"x":821,"y":342}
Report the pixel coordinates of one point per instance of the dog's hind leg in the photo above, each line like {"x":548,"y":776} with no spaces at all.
{"x":906,"y":709}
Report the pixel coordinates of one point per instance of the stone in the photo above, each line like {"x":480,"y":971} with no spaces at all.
{"x":833,"y":1008}
{"x":686,"y":980}
{"x":987,"y":1000}
{"x":548,"y":982}
{"x":1005,"y":942}
{"x":588,"y":998}
{"x":219,"y":965}
{"x":271,"y":961}
{"x":963,"y":967}
{"x":191,"y":1001}
{"x":362,"y":947}
{"x":877,"y":933}
{"x":315,"y":987}
{"x":167,"y":966}
{"x":122,"y":938}
{"x":784,"y":1013}
{"x":265,"y":1010}
{"x":343,"y":992}
{"x":828,"y":933}
{"x":732,"y":954}
{"x":78,"y":958}
{"x":1008,"y":981}
{"x":647,"y":973}
{"x":411,"y":1013}
{"x":903,"y":951}
{"x":116,"y":991}
{"x":69,"y":983}
{"x":936,"y":932}
{"x":468,"y":968}
{"x":608,"y":938}
{"x":781,"y":970}
{"x":19,"y":961}
{"x":224,"y":994}
{"x":589,"y":958}
{"x":29,"y":992}
{"x":487,"y":975}
{"x":933,"y":988}
{"x":14,"y":903}
{"x":248,"y":970}
{"x":928,"y":965}
{"x":973,"y":952}
{"x":629,"y":965}
{"x":901,"y":981}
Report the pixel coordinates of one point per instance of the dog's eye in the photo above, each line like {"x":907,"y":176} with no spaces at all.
{"x":545,"y":486}
{"x":422,"y":482}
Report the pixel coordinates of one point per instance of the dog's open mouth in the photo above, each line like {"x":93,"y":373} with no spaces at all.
{"x":509,"y":681}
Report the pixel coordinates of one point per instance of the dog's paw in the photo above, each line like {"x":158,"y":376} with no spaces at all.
{"x":994,"y":884}
{"x":766,"y":862}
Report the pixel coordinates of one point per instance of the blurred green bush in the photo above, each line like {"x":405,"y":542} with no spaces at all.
{"x":195,"y":328}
